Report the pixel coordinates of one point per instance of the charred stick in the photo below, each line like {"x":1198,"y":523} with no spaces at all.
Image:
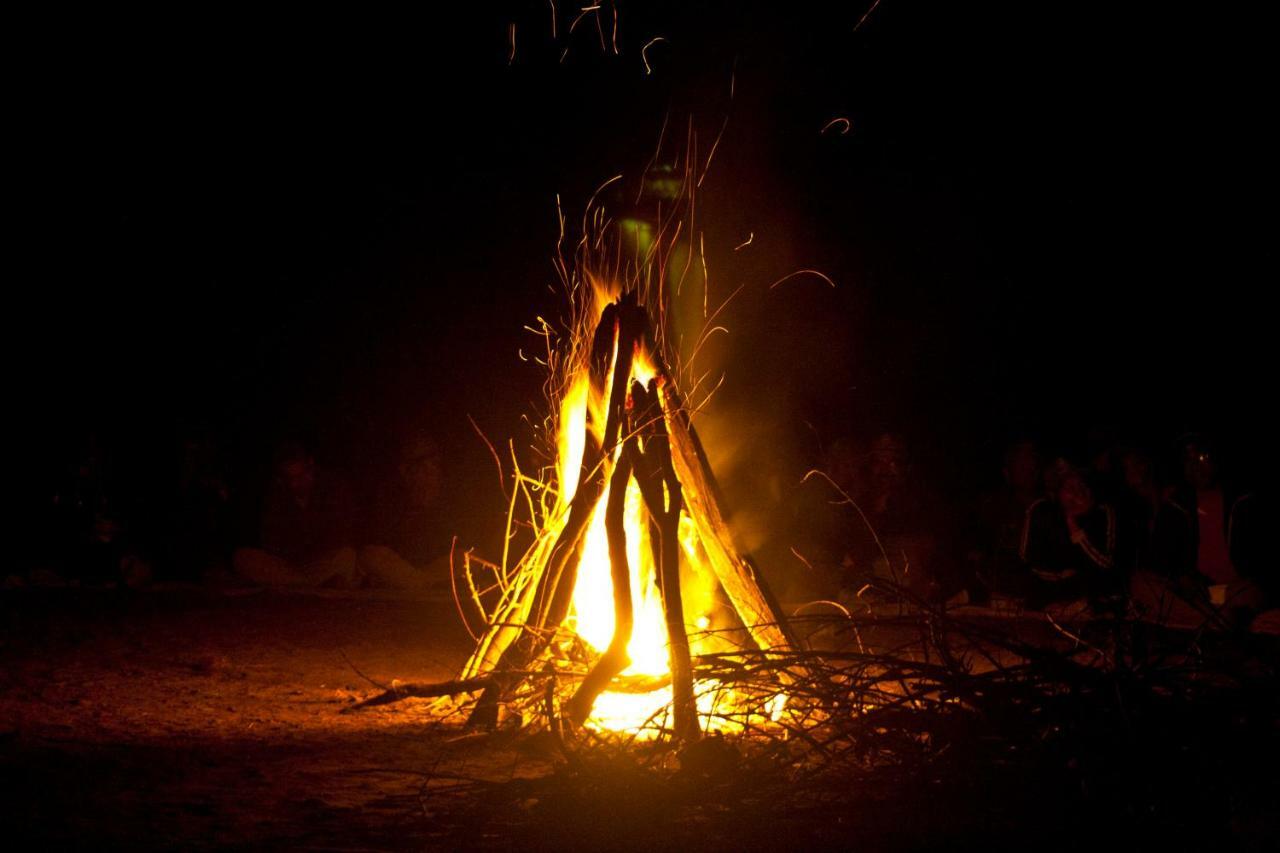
{"x":420,"y":690}
{"x":653,"y":472}
{"x":621,"y":327}
{"x":739,"y":577}
{"x":615,"y":659}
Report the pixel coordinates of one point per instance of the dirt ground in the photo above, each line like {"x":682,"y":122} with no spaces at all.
{"x":195,"y":719}
{"x":189,"y":718}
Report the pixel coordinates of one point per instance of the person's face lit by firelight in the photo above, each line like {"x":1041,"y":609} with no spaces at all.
{"x":1074,"y":495}
{"x":1199,"y":466}
{"x":298,"y":476}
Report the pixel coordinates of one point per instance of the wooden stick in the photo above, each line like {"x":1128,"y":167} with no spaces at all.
{"x":615,"y":658}
{"x":656,"y":468}
{"x":621,"y":327}
{"x":420,"y":690}
{"x":739,"y":576}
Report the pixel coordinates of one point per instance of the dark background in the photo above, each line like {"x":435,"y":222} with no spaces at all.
{"x":1047,"y":218}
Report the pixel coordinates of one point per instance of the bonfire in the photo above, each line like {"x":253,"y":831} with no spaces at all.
{"x":631,"y":571}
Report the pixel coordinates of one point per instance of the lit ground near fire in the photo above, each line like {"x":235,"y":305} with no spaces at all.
{"x":188,"y":718}
{"x":198,"y":719}
{"x":194,"y":719}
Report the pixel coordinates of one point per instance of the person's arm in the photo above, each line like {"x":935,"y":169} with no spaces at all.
{"x":1242,"y":539}
{"x":1170,"y":542}
{"x":1098,"y":545}
{"x":1031,"y":548}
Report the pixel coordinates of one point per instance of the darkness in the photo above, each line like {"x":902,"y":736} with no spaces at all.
{"x":1045,"y":219}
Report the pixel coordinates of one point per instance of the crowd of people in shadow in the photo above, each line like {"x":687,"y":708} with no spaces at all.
{"x":308,"y":526}
{"x":1172,"y":536}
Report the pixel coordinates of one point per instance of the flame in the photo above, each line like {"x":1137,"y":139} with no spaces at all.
{"x":592,"y":615}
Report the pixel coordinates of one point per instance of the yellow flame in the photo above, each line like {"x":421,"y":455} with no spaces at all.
{"x":583,"y":407}
{"x":721,"y":709}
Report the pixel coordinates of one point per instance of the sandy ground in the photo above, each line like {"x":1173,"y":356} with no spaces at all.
{"x":194,"y":719}
{"x":191,"y":718}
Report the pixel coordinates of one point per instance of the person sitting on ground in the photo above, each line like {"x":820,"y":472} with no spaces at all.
{"x":198,"y":543}
{"x":306,"y":528}
{"x":1137,"y":506}
{"x":994,"y":540}
{"x":1069,"y":543}
{"x":895,"y":542}
{"x":90,"y":538}
{"x":408,"y":541}
{"x":1201,"y":537}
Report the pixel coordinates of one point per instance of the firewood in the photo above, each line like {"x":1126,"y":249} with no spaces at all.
{"x":655,"y":471}
{"x":420,"y":690}
{"x":740,"y":578}
{"x":615,"y":659}
{"x":621,"y":327}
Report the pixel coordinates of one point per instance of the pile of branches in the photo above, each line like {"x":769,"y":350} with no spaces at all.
{"x":907,"y":716}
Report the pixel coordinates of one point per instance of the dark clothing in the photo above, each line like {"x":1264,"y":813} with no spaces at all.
{"x":1136,"y":515}
{"x":415,"y":532}
{"x":1176,"y":545}
{"x":1049,"y":545}
{"x":303,"y":531}
{"x":1001,"y":517}
{"x":991,"y":543}
{"x":1070,"y":564}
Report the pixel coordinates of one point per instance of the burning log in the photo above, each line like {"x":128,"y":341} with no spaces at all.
{"x":738,"y":575}
{"x":621,"y":327}
{"x":656,"y":475}
{"x":647,"y":437}
{"x":614,"y":660}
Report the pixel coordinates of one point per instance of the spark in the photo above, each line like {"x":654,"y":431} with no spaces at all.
{"x":820,"y":275}
{"x":707,"y":166}
{"x":615,"y":27}
{"x":644,"y":53}
{"x":841,"y":121}
{"x":706,"y":335}
{"x":512,"y":33}
{"x":656,"y":152}
{"x":592,"y":200}
{"x":553,"y":18}
{"x":706,"y":276}
{"x":502,"y":485}
{"x":582,"y":13}
{"x":866,"y":15}
{"x":750,"y":236}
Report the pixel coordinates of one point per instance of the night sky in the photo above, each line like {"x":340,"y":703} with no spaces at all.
{"x":1045,"y":218}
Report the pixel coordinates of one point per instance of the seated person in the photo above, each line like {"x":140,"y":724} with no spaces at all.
{"x":895,"y":537}
{"x":1138,"y":506}
{"x":994,"y":535}
{"x":306,"y":529}
{"x":1069,"y":544}
{"x":408,"y":544}
{"x":1204,"y":541}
